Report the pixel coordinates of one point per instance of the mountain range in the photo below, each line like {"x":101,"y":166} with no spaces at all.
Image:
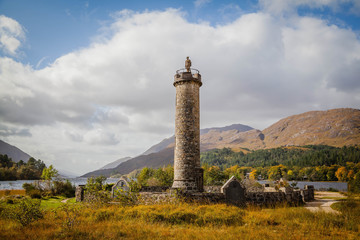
{"x":13,"y":152}
{"x":336,"y":127}
{"x":17,"y":154}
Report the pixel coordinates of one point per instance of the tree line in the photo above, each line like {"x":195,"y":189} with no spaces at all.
{"x":305,"y":156}
{"x":313,"y":163}
{"x":30,"y":170}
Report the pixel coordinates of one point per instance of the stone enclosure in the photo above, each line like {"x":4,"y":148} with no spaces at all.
{"x":232,"y":192}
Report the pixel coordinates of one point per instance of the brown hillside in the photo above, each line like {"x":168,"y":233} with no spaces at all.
{"x":13,"y":152}
{"x":336,"y":127}
{"x":231,"y":139}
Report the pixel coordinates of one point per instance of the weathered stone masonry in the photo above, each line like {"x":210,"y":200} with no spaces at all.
{"x":188,"y":175}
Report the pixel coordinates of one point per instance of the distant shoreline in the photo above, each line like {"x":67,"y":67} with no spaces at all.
{"x":319,"y":186}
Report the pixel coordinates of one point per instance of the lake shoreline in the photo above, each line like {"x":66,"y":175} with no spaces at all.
{"x":319,"y":186}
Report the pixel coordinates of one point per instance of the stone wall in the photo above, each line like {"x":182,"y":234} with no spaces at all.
{"x":266,"y":198}
{"x":148,"y":198}
{"x":308,"y":193}
{"x":288,"y":195}
{"x":79,"y":193}
{"x":154,"y":188}
{"x":212,"y":194}
{"x":212,"y":189}
{"x":204,"y":198}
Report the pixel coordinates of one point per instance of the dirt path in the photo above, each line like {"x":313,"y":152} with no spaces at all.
{"x":65,"y":200}
{"x":323,"y":201}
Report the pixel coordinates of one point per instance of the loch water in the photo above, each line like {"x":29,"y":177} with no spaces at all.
{"x":322,"y":186}
{"x":14,"y":185}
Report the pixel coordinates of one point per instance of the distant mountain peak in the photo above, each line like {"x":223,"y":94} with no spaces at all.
{"x":13,"y":152}
{"x":169,"y":142}
{"x":238,"y":127}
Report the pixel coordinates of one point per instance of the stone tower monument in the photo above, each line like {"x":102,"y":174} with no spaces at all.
{"x":188,"y":175}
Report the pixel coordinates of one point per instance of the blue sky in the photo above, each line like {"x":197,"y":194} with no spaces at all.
{"x":83,"y":83}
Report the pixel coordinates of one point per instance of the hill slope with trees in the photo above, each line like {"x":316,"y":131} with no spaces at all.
{"x":30,"y":170}
{"x":13,"y":152}
{"x":336,"y":127}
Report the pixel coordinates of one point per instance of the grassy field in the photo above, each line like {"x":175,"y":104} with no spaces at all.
{"x":183,"y":221}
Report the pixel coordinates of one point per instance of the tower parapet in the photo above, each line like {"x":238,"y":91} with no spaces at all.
{"x":182,"y":75}
{"x":188,"y":175}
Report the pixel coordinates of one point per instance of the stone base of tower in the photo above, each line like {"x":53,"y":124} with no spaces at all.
{"x":185,"y":185}
{"x":196,"y":185}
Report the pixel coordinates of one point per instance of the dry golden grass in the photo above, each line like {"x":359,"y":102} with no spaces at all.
{"x":182,"y":221}
{"x":12,"y":192}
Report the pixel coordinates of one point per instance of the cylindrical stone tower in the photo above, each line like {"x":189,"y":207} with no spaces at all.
{"x":188,"y":175}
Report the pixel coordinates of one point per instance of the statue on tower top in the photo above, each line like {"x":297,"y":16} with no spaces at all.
{"x":187,"y":64}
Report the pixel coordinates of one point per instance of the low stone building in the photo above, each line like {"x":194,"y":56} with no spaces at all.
{"x":121,"y":184}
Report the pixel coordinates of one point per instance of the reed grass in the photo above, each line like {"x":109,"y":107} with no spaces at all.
{"x":187,"y":221}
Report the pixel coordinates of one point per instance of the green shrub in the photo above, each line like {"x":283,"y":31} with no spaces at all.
{"x":36,"y":193}
{"x":108,"y":186}
{"x":95,"y":184}
{"x":25,"y":212}
{"x":32,"y":191}
{"x":332,"y":189}
{"x":354,"y":184}
{"x":64,"y":188}
{"x":126,"y":198}
{"x":95,"y":190}
{"x":28,"y":187}
{"x":130,"y":197}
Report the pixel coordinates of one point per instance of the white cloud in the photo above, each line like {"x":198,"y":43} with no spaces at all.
{"x":201,"y":3}
{"x":11,"y":35}
{"x":100,"y":136}
{"x":289,"y":7}
{"x":115,"y":97}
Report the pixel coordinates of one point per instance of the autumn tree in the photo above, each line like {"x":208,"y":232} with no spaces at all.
{"x":254,"y":174}
{"x":277,"y":172}
{"x":341,"y":174}
{"x":214,"y":176}
{"x":145,"y":174}
{"x":49,"y":173}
